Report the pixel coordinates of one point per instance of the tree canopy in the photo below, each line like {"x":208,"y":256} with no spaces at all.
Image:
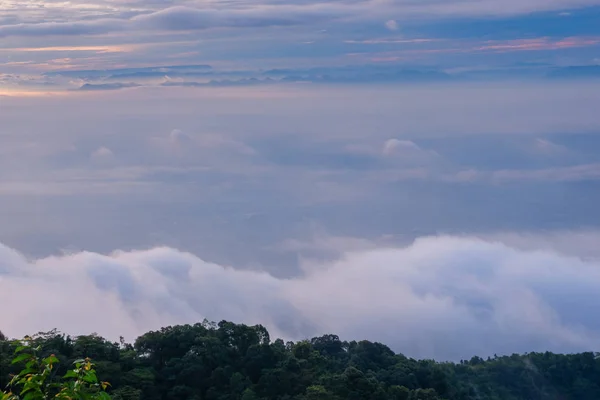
{"x":228,"y":361}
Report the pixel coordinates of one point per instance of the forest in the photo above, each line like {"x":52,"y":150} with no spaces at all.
{"x":228,"y":361}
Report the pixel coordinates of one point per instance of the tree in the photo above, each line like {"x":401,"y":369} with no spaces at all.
{"x":249,"y":395}
{"x":398,"y":393}
{"x":318,"y":392}
{"x":229,"y":361}
{"x":127,"y":393}
{"x":36,"y":379}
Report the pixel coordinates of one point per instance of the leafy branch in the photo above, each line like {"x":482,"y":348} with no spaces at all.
{"x":36,"y":380}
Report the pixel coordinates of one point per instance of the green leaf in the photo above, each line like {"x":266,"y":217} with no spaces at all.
{"x":90,"y":377}
{"x":27,"y":370}
{"x":33,"y":396}
{"x":26,"y":390}
{"x":14,"y":380}
{"x":70,"y":374}
{"x":51,"y":360}
{"x":79,"y":361}
{"x":20,"y":349}
{"x":21,"y":357}
{"x":103,"y":396}
{"x":8,"y":396}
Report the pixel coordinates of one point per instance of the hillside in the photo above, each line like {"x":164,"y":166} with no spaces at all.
{"x":227,"y":361}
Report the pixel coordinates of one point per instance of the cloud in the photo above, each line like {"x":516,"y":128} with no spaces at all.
{"x":181,"y":18}
{"x":180,"y":138}
{"x":569,"y":174}
{"x":575,"y":173}
{"x":394,"y":146}
{"x":391,"y":149}
{"x":490,"y":7}
{"x":95,"y":49}
{"x":107,"y":86}
{"x":301,"y":170}
{"x":580,"y":243}
{"x":546,"y":147}
{"x":98,"y":18}
{"x":391,"y":25}
{"x":102,"y":152}
{"x":94,"y":27}
{"x":442,"y":297}
{"x":102,"y":155}
{"x":203,"y":143}
{"x":408,"y":153}
{"x":537,"y":44}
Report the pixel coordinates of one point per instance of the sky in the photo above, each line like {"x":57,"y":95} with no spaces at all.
{"x":424,"y":174}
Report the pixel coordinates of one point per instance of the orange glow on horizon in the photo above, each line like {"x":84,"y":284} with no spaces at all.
{"x":4,"y":92}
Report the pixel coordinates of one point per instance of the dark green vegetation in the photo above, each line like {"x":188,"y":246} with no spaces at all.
{"x":36,"y":377}
{"x":226,"y":361}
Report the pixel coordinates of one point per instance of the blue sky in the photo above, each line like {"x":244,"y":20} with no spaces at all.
{"x":176,"y":160}
{"x":239,"y":39}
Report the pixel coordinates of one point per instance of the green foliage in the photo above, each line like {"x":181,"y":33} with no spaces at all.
{"x":228,"y":361}
{"x":36,"y":379}
{"x":127,"y":393}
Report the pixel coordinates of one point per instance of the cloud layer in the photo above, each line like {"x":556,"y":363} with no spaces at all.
{"x":442,"y":297}
{"x":205,"y":170}
{"x":242,"y":39}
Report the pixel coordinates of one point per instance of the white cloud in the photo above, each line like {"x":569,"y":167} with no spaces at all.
{"x":393,"y":146}
{"x":408,"y":153}
{"x":180,"y":138}
{"x":441,"y":297}
{"x":546,"y":147}
{"x":576,"y":173}
{"x":186,"y":18}
{"x":102,"y":152}
{"x":580,"y":243}
{"x":102,"y":155}
{"x":203,"y":147}
{"x":391,"y":25}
